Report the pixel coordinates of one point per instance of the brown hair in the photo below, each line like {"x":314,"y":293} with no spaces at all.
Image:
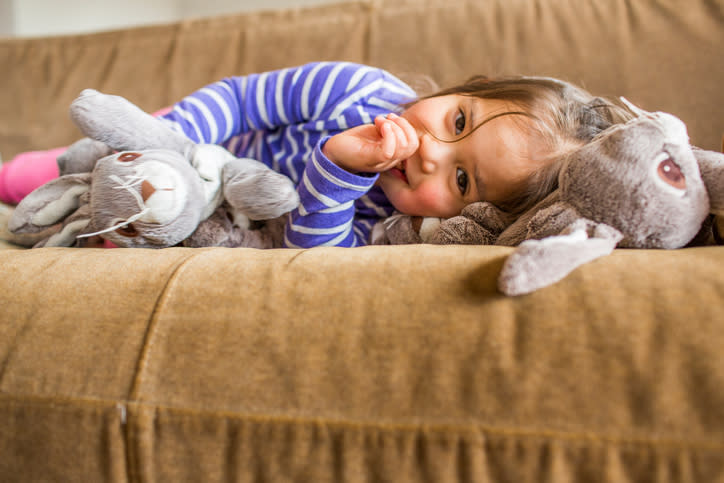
{"x":565,"y":117}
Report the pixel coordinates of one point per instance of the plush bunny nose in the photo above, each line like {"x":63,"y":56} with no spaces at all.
{"x":147,"y":190}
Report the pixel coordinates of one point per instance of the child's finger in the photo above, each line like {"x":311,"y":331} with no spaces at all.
{"x":386,"y":165}
{"x":411,"y":137}
{"x":400,"y":136}
{"x":388,"y":143}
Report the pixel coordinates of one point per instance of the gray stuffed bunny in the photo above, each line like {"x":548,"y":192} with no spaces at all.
{"x":160,"y":189}
{"x":636,"y":185}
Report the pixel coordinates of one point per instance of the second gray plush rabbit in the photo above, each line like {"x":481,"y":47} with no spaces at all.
{"x":636,"y":185}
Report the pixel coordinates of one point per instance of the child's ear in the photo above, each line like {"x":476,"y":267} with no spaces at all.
{"x":51,"y":203}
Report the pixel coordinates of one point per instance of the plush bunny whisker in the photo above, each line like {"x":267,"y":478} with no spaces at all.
{"x":133,"y":181}
{"x":129,"y":185}
{"x":118,"y":225}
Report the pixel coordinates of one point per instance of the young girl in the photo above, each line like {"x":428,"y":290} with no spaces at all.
{"x":359,"y":145}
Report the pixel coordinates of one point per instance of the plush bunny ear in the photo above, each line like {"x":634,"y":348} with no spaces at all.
{"x":634,"y":108}
{"x":538,"y":263}
{"x":62,"y":200}
{"x":81,"y":156}
{"x":49,"y":204}
{"x":711,"y":166}
{"x":122,"y":125}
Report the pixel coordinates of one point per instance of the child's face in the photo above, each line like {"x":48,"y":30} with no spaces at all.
{"x":441,"y":178}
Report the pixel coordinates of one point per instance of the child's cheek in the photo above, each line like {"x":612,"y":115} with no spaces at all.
{"x":434,"y":200}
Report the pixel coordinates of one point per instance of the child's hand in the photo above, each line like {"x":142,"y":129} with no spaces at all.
{"x":373,"y":148}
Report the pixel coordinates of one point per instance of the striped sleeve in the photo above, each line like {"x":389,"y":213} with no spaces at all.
{"x":326,"y":213}
{"x":321,"y":90}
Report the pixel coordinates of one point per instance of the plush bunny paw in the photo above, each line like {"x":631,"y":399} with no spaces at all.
{"x":257,"y":191}
{"x":479,"y":224}
{"x":539,"y":263}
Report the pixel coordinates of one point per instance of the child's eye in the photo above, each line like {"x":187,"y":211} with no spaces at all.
{"x":462,"y":180}
{"x":460,"y":122}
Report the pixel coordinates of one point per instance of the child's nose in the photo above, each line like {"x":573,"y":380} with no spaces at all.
{"x":428,"y":167}
{"x":433,"y":152}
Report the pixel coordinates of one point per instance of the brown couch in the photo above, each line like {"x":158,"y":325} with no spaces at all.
{"x":397,"y":363}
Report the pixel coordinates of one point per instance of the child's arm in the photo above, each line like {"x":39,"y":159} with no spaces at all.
{"x":373,"y":148}
{"x":314,"y":98}
{"x":342,"y":170}
{"x":326,"y":212}
{"x":268,"y":100}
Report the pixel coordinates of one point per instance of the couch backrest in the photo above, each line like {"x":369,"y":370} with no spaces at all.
{"x":660,"y":54}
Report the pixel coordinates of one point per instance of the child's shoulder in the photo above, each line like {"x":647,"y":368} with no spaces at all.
{"x":358,"y":74}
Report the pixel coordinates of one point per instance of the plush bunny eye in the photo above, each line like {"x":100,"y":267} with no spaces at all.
{"x":671,"y":174}
{"x":127,"y":230}
{"x":126,"y":157}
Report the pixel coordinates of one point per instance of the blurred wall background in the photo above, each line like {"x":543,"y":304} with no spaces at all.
{"x":31,"y":18}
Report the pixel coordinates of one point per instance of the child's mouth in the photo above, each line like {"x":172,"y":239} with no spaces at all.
{"x":399,"y":171}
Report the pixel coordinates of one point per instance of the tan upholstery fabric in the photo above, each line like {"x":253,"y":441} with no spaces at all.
{"x":185,"y":364}
{"x":378,"y":363}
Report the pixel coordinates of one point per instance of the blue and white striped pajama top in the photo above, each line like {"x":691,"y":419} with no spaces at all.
{"x":283,"y":118}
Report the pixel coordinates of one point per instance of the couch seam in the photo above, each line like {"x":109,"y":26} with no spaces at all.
{"x":180,"y":413}
{"x":133,"y":394}
{"x":98,"y":406}
{"x":151,"y":328}
{"x":442,"y":428}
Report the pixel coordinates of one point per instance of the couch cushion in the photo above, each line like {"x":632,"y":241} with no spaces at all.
{"x":333,"y":364}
